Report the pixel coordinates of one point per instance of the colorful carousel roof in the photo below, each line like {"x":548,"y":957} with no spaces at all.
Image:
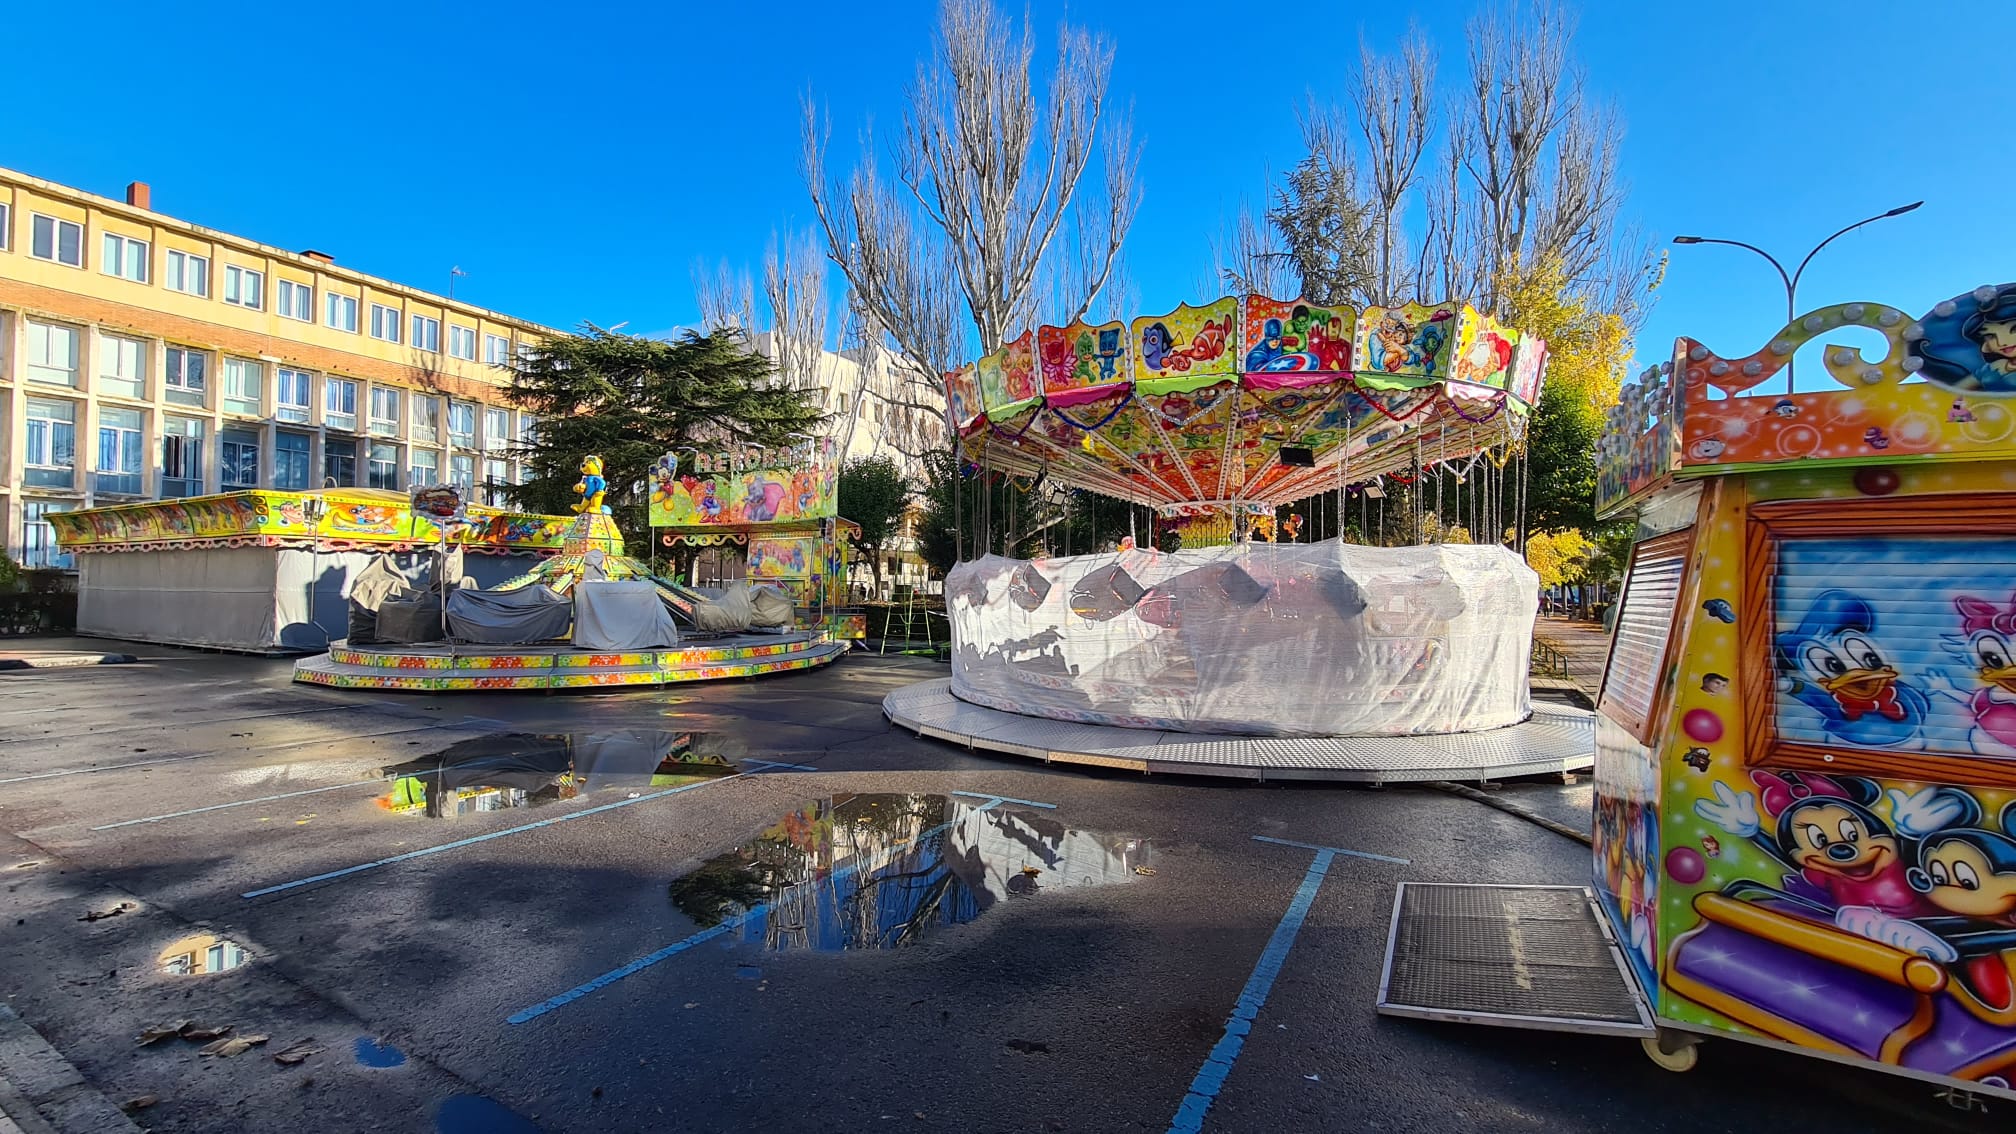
{"x":1191,"y":411}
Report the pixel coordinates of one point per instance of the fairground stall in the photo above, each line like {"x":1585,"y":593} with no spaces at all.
{"x":587,"y":617}
{"x":1805,"y":816}
{"x":762,"y":517}
{"x":1236,"y":655}
{"x":266,"y":571}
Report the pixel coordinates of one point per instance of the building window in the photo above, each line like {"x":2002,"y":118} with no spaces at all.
{"x":426,"y":418}
{"x":385,"y":322}
{"x":496,"y":429}
{"x":339,"y":404}
{"x":181,"y":457}
{"x":462,"y":424}
{"x":120,"y":433}
{"x":528,"y":429}
{"x":290,"y":395}
{"x":40,"y":550}
{"x":52,"y":353}
{"x":6,"y":226}
{"x":187,"y":272}
{"x":182,"y":378}
{"x":462,"y":474}
{"x":58,"y":240}
{"x":244,"y":287}
{"x":497,"y":350}
{"x":339,"y":463}
{"x":239,"y":459}
{"x":296,"y":301}
{"x":462,"y":342}
{"x":124,"y":257}
{"x":496,"y":479}
{"x":290,"y":460}
{"x":384,"y":411}
{"x":426,"y":467}
{"x":426,"y":333}
{"x":52,"y":444}
{"x":122,"y":367}
{"x":343,"y":312}
{"x":384,"y":466}
{"x":244,"y":387}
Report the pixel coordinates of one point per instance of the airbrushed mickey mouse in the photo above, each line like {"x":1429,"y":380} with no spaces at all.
{"x":1929,"y":881}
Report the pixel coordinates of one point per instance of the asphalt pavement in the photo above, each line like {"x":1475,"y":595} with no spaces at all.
{"x":526,"y":960}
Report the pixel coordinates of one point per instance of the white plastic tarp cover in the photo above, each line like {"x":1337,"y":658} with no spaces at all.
{"x":1327,"y":639}
{"x":616,"y":616}
{"x":532,"y":613}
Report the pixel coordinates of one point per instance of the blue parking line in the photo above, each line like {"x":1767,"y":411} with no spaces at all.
{"x":1007,"y":799}
{"x":1211,"y":1077}
{"x":526,"y":1015}
{"x":772,"y":765}
{"x":424,"y":851}
{"x":1329,"y":850}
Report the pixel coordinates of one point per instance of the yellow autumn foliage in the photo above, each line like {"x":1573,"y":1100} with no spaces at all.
{"x":1588,"y":350}
{"x":1560,"y":557}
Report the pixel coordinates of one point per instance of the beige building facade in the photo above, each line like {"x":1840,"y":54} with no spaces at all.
{"x":144,"y":357}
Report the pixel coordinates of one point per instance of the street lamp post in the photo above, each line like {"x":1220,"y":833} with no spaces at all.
{"x":1792,"y":279}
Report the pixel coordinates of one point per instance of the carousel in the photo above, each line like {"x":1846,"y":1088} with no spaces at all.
{"x":1240,"y":650}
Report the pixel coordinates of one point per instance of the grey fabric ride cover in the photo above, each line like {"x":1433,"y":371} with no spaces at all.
{"x":616,"y":616}
{"x":518,"y":617}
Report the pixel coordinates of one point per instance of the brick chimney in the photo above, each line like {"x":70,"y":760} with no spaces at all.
{"x":324,"y":257}
{"x":139,"y":195}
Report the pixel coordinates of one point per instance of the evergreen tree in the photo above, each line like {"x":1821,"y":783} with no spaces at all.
{"x":874,"y":494}
{"x":630,"y":400}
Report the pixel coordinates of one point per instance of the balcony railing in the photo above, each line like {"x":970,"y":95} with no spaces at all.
{"x":118,"y":484}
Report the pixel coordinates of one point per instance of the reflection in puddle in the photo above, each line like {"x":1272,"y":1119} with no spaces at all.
{"x":202,"y":953}
{"x":371,"y":1053}
{"x":515,"y":769}
{"x":475,"y":1114}
{"x":880,"y":871}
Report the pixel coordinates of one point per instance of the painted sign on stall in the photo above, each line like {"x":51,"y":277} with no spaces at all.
{"x":745,"y":486}
{"x":263,"y":518}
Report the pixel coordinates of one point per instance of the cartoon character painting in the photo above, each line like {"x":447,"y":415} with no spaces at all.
{"x":1488,"y":355}
{"x":1403,"y":346}
{"x":1835,"y":667}
{"x":1984,"y":646}
{"x":1968,"y":344}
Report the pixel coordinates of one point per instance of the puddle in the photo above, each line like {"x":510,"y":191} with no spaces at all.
{"x":371,"y":1053}
{"x":477,"y":1114}
{"x":862,"y":872}
{"x":517,"y":769}
{"x":202,"y":954}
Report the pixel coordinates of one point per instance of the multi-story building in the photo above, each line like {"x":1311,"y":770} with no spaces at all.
{"x":144,"y":357}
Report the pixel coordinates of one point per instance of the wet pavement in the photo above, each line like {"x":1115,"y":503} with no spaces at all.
{"x":754,"y":905}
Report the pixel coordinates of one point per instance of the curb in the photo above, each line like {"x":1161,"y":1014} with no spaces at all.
{"x":65,"y":661}
{"x":41,"y":1093}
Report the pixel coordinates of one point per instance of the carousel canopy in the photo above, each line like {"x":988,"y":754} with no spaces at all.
{"x":1244,"y":402}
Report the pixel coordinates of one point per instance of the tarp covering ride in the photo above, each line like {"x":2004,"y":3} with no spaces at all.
{"x":1222,"y":413}
{"x":1190,"y":412}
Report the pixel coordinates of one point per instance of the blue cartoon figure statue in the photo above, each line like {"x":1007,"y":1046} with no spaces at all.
{"x":591,"y":488}
{"x":1838,"y":671}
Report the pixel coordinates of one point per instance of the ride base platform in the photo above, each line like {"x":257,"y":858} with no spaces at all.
{"x":1555,"y":739}
{"x":439,"y":667}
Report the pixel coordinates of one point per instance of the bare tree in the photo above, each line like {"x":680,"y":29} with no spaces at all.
{"x":1520,"y":93}
{"x":1393,"y":104}
{"x":726,"y":298}
{"x":794,"y":289}
{"x":1251,"y":259}
{"x":996,"y":188}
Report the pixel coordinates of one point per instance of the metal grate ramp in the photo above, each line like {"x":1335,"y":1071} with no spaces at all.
{"x":1517,"y":956}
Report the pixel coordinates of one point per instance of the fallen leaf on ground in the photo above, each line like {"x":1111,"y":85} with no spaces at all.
{"x":115,"y":911}
{"x":1145,"y":871}
{"x":199,"y":1034}
{"x":138,"y":1102}
{"x":232,"y":1045}
{"x":297,"y":1052}
{"x":168,"y":1031}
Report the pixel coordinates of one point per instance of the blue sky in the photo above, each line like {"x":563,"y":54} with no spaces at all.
{"x":577,"y":161}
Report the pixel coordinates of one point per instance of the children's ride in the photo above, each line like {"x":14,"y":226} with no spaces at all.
{"x":1805,"y":816}
{"x":1215,"y":416}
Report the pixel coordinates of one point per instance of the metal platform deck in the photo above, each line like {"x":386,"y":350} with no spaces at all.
{"x":1517,"y":956}
{"x":1555,"y":739}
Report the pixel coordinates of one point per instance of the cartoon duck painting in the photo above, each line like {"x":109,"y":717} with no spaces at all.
{"x":591,"y":487}
{"x":1838,"y":670}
